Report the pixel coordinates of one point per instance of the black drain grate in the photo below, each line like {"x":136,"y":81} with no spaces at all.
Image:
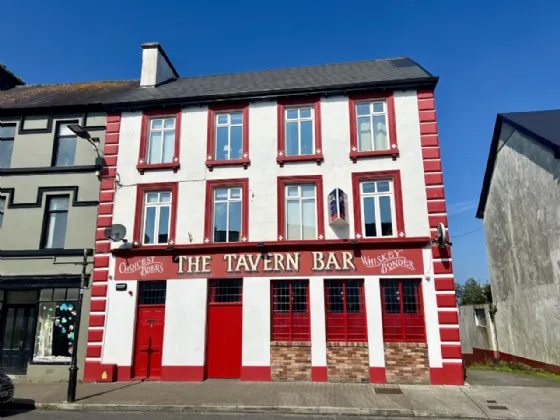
{"x":498,"y":407}
{"x":388,"y":391}
{"x":492,"y":401}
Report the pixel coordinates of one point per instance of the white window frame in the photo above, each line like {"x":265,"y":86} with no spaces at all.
{"x":301,"y":199}
{"x":158,"y":205}
{"x":372,"y":114}
{"x":299,"y":120}
{"x":3,"y":203}
{"x":229,"y":125}
{"x":228,"y":201}
{"x":376,"y":195}
{"x":161,"y":130}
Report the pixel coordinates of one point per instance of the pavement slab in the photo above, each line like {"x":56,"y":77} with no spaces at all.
{"x":442,"y":400}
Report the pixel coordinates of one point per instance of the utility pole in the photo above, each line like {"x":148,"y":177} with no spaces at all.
{"x":73,"y":378}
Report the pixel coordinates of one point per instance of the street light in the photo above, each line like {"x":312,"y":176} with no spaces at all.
{"x":83,"y":134}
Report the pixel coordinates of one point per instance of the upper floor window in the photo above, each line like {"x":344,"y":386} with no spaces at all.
{"x":345,"y":310}
{"x":227,"y":211}
{"x":402,"y":312}
{"x":56,"y":221}
{"x":156,"y":206}
{"x":64,"y":146}
{"x":228,"y":135}
{"x":7,"y":135}
{"x":290,"y":311}
{"x":378,"y":211}
{"x":301,"y":212}
{"x":372,"y":125}
{"x":2,"y":209}
{"x":299,"y":131}
{"x":160,"y":140}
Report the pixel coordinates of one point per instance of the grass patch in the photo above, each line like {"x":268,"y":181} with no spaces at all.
{"x":514,"y":367}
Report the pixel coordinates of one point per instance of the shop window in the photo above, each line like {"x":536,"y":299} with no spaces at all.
{"x":403,"y":315}
{"x":290,"y":311}
{"x":345,"y":310}
{"x":152,"y":293}
{"x":54,"y":339}
{"x":226,"y":291}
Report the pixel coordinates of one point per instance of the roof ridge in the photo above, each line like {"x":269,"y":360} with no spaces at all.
{"x":76,"y":83}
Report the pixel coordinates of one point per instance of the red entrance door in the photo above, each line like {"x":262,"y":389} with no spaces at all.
{"x":149,"y":341}
{"x":225,"y":319}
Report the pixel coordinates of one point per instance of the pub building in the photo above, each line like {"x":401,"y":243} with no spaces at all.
{"x":281,"y":226}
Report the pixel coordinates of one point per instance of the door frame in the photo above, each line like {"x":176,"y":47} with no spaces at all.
{"x":32,"y":331}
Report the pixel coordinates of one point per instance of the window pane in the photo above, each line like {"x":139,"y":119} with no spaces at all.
{"x":235,"y":193}
{"x":221,"y":194}
{"x":222,"y":143}
{"x":222,"y":119}
{"x":299,"y":297}
{"x":411,"y":296}
{"x":368,"y":187}
{"x":58,"y":230}
{"x":72,"y":294}
{"x":63,"y":130}
{"x":165,"y":197}
{"x":150,"y":225}
{"x":9,"y":328}
{"x":66,"y":151}
{"x":364,"y":134}
{"x":292,"y":139}
{"x":383,"y":186}
{"x":369,"y":217}
{"x":292,"y":191}
{"x":168,"y":146}
{"x":152,"y":293}
{"x":309,"y":220}
{"x":391,"y":297}
{"x":152,"y":197}
{"x":7,"y":131}
{"x":281,"y":296}
{"x":6,"y":148}
{"x":169,"y":123}
{"x":291,"y":114}
{"x":380,"y":132}
{"x":307,"y":138}
{"x":58,"y":203}
{"x":59,"y":294}
{"x":235,"y":221}
{"x":378,"y":106}
{"x":386,"y":216}
{"x":156,"y":124}
{"x":163,"y":229}
{"x":335,"y":296}
{"x":293,"y":220}
{"x":46,"y":294}
{"x":236,"y":118}
{"x":154,"y":148}
{"x":362,"y":109}
{"x":236,"y":142}
{"x":308,"y":190}
{"x":220,"y":222}
{"x":2,"y":204}
{"x":305,"y":113}
{"x":353,"y":301}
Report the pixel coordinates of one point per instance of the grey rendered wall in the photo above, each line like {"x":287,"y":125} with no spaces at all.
{"x":522,"y":228}
{"x":472,"y":335}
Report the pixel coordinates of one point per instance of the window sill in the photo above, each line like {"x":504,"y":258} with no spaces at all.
{"x":290,"y":343}
{"x":347,"y":344}
{"x":170,"y":245}
{"x":355,"y":155}
{"x":158,"y":166}
{"x":210,"y":163}
{"x":318,"y":157}
{"x":50,"y":363}
{"x":386,"y":239}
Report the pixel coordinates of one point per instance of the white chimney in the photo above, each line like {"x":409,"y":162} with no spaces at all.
{"x":156,"y":67}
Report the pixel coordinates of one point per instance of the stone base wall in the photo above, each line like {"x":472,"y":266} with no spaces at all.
{"x":348,"y":362}
{"x":407,"y":363}
{"x":290,"y":361}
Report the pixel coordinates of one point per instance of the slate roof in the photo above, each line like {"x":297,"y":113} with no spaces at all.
{"x":542,"y":126}
{"x":370,"y":73}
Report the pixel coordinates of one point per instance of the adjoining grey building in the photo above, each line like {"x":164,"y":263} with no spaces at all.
{"x":49,"y":192}
{"x":520,"y":208}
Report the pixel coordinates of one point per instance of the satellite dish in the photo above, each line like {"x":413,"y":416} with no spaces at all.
{"x":441,"y":235}
{"x":115,"y":233}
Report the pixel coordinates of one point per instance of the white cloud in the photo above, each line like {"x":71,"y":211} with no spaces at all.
{"x":461,"y":207}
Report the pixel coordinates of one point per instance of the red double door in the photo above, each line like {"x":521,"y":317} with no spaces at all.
{"x":149,"y":341}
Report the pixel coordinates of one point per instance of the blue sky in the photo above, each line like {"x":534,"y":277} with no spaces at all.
{"x":491,"y":56}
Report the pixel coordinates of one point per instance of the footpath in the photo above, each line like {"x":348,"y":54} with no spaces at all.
{"x":469,"y":401}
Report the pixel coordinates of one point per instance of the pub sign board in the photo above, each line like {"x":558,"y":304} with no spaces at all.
{"x":272,"y":264}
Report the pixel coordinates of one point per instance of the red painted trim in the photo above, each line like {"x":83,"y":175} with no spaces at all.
{"x":255,"y":373}
{"x":443,"y":267}
{"x":283,"y":181}
{"x":210,"y":152}
{"x":446,"y":301}
{"x":106,"y":197}
{"x":430,"y":153}
{"x":357,"y":178}
{"x":100,"y":261}
{"x":338,"y":323}
{"x":95,"y":336}
{"x":209,"y":207}
{"x":444,"y":283}
{"x":100,"y":275}
{"x":433,"y":179}
{"x":99,"y":290}
{"x":482,"y":355}
{"x":93,"y":351}
{"x":142,"y":157}
{"x":448,"y":374}
{"x":448,"y":317}
{"x":449,"y":334}
{"x":182,"y":373}
{"x":394,"y":147}
{"x":104,"y":221}
{"x":426,"y":105}
{"x":438,"y":252}
{"x":281,"y":157}
{"x":436,"y":207}
{"x":428,"y":128}
{"x":102,"y":247}
{"x":124,"y":373}
{"x":93,"y":372}
{"x":451,"y":351}
{"x":429,"y":141}
{"x":98,"y":305}
{"x":432,"y":166}
{"x":319,"y":374}
{"x":115,"y":127}
{"x":97,"y":320}
{"x":377,"y":375}
{"x":435,"y":193}
{"x":141,"y":190}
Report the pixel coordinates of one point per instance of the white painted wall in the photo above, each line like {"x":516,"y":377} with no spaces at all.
{"x":120,"y":324}
{"x":185,"y":323}
{"x":263,"y":171}
{"x":256,"y":322}
{"x":318,"y":332}
{"x":431,"y":311}
{"x":374,"y":321}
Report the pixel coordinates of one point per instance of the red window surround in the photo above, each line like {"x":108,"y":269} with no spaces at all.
{"x":209,"y":207}
{"x":345,"y":311}
{"x":393,"y":146}
{"x":146,"y":116}
{"x":281,"y":158}
{"x":210,"y":152}
{"x":402,"y":311}
{"x":283,"y":181}
{"x":141,"y":190}
{"x":290,"y":310}
{"x":357,"y":178}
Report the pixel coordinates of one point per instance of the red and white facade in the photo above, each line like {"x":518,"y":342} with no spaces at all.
{"x":335,"y":306}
